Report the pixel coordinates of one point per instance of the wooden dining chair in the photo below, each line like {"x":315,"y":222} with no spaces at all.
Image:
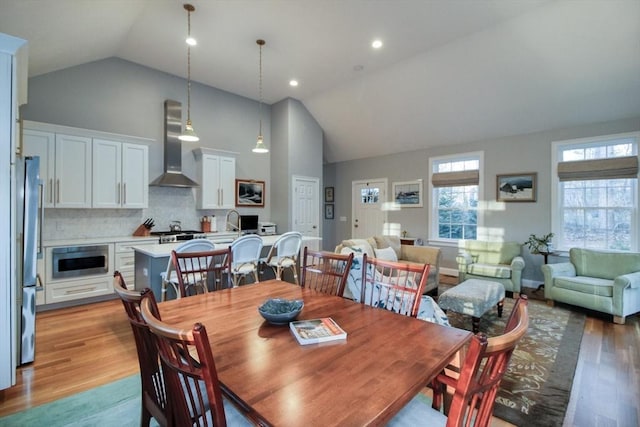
{"x":154,"y":396}
{"x":190,"y":373}
{"x":197,"y":270}
{"x":475,"y":391}
{"x":170,"y":278}
{"x":326,"y":272}
{"x":395,"y":286}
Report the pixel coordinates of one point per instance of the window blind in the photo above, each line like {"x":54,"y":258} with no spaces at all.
{"x":455,"y":179}
{"x":611,"y":168}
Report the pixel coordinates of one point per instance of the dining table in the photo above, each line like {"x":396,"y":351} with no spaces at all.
{"x":365,"y":379}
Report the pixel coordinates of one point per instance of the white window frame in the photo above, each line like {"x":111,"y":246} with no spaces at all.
{"x":433,"y":211}
{"x":556,"y":206}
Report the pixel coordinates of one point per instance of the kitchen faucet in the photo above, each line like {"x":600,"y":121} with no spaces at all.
{"x":233,"y":226}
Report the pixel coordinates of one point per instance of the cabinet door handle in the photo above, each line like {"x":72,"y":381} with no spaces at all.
{"x":221,"y":197}
{"x":124,"y":191}
{"x":118,"y":193}
{"x":50,"y":190}
{"x":57,"y":190}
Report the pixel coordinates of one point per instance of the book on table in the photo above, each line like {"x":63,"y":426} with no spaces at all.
{"x":317,"y":330}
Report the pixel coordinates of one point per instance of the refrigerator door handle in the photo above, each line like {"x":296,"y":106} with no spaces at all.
{"x":41,"y":217}
{"x":39,"y":286}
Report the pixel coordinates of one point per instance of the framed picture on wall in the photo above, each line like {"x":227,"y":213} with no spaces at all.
{"x":328,"y":211}
{"x":328,"y":194}
{"x":516,"y":187}
{"x":249,"y":193}
{"x":408,"y":194}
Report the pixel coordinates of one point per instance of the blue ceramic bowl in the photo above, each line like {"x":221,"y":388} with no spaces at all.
{"x":278,"y":311}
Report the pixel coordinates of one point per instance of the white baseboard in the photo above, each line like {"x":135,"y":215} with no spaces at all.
{"x":449,"y":272}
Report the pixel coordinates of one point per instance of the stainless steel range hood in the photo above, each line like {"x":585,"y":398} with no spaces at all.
{"x":172,"y":176}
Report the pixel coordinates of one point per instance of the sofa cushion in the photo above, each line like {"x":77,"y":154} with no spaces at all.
{"x":603,"y":264}
{"x":389,"y":241}
{"x":386,"y":254}
{"x":586,"y":285}
{"x":490,"y":270}
{"x":362,"y":246}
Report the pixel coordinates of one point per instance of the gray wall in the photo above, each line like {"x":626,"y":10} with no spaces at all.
{"x":298,"y":139}
{"x":118,"y":96}
{"x":522,"y":153}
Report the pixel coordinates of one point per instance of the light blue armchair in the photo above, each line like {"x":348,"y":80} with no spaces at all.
{"x":604,"y":281}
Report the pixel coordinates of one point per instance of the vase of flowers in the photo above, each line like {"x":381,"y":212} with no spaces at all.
{"x":540,"y":245}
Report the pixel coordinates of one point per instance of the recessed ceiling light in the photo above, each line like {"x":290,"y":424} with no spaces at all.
{"x":293,"y":83}
{"x":191,"y":41}
{"x":376,"y":44}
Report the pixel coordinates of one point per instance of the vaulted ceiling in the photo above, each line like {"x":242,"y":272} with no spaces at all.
{"x":449,"y":71}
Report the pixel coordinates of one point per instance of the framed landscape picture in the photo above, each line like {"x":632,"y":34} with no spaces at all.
{"x":516,"y":187}
{"x":408,"y":194}
{"x":249,"y":193}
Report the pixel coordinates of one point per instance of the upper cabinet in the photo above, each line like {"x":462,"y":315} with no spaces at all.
{"x":217,"y":179}
{"x":65,"y":167}
{"x":82,"y":168}
{"x":120,"y":175}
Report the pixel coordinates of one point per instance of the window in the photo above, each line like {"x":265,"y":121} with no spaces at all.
{"x":455,"y":192}
{"x":595,"y":204}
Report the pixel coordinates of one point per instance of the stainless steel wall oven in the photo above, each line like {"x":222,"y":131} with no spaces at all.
{"x":78,"y":261}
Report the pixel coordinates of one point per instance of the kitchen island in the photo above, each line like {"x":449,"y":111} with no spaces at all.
{"x":151,"y":260}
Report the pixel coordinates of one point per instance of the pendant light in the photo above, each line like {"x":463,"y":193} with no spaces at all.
{"x":189,"y":134}
{"x":260,"y":147}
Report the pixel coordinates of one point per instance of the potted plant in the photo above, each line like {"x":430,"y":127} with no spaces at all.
{"x":540,"y":245}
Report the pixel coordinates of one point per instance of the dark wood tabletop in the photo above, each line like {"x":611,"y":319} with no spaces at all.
{"x":385,"y":361}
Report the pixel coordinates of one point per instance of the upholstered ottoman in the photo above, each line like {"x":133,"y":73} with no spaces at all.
{"x":473,"y":297}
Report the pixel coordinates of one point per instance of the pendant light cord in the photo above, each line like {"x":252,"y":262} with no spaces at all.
{"x":260,"y":43}
{"x":188,"y":67}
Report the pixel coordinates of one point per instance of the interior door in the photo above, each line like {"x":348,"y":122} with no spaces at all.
{"x":368,"y":202}
{"x":306,"y":206}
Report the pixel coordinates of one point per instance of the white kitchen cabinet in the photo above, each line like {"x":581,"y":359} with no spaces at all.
{"x":216,"y":176}
{"x":65,"y":167}
{"x":120,"y":175}
{"x":42,"y":144}
{"x":83,"y":168}
{"x":72,"y":184}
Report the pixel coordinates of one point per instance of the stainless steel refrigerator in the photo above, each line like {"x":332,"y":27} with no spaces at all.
{"x":28,"y":231}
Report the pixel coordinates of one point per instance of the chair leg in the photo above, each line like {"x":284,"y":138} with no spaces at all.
{"x":294,"y":268}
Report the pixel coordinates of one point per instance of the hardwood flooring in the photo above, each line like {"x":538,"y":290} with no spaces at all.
{"x":83,"y":347}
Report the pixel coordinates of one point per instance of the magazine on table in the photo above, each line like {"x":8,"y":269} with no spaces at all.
{"x":317,"y":330}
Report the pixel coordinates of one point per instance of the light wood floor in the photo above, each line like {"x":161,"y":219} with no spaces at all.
{"x":83,"y":347}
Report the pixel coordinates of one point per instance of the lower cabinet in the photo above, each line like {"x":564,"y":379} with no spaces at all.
{"x":70,"y":290}
{"x":125,"y":260}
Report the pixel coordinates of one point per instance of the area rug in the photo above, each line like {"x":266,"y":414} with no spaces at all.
{"x":116,"y":404}
{"x":536,"y":388}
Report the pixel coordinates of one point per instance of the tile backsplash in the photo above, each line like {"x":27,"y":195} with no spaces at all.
{"x":166,"y":204}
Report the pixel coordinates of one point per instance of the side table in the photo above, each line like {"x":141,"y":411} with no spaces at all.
{"x":546,"y":261}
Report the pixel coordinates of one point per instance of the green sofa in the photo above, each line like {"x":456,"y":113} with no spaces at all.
{"x":599,"y":280}
{"x":494,"y":261}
